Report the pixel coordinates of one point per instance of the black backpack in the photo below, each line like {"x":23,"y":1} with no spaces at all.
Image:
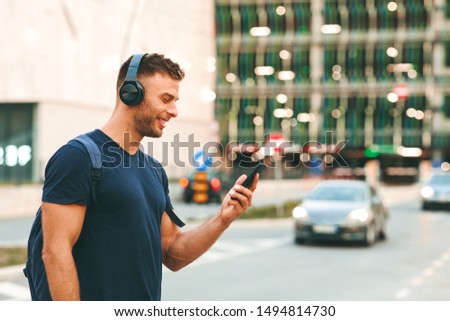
{"x":34,"y":268}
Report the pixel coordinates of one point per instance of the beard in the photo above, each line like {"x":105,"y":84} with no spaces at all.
{"x":145,"y":124}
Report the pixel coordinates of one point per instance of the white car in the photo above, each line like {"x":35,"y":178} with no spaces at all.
{"x":436,"y":191}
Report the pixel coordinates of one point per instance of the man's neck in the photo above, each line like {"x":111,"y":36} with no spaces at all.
{"x":127,"y":139}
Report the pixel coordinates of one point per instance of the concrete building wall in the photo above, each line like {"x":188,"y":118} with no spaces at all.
{"x":64,"y":57}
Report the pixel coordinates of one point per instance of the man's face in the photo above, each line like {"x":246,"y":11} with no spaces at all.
{"x":158,"y":106}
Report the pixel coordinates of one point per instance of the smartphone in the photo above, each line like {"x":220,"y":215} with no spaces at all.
{"x":251,"y":177}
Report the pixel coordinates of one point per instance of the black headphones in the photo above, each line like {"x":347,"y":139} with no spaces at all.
{"x":131,"y":92}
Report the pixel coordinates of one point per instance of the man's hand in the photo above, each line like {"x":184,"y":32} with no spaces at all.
{"x":181,"y":248}
{"x":237,"y":200}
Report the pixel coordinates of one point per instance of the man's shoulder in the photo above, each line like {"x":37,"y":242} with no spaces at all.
{"x":73,"y":152}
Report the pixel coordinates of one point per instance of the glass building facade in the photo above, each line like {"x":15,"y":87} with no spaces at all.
{"x":373,"y":72}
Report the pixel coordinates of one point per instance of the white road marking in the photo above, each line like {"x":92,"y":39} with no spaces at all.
{"x":14,"y":291}
{"x":427,"y":273}
{"x":402,"y":294}
{"x":225,"y":250}
{"x":417,"y":281}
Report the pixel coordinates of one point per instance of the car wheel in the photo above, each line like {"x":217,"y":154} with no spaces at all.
{"x":187,"y":198}
{"x":426,"y":206}
{"x":301,"y":240}
{"x":371,"y":235}
{"x":382,"y":235}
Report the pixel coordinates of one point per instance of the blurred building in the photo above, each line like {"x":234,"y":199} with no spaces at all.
{"x":59,"y":62}
{"x":373,"y":72}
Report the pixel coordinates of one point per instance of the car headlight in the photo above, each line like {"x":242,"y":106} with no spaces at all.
{"x":359,"y":215}
{"x":427,"y":192}
{"x":300,"y":213}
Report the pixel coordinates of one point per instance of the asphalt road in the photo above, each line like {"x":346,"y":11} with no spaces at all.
{"x":257,"y":260}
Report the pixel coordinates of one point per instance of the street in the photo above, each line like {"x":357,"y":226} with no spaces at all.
{"x":258,"y":260}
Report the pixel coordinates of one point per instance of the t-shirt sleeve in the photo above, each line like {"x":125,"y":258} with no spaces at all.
{"x":67,"y":177}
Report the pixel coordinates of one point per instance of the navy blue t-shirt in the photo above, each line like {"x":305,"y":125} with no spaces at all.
{"x":118,"y":254}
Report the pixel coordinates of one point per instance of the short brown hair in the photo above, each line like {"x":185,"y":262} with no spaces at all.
{"x":151,"y":64}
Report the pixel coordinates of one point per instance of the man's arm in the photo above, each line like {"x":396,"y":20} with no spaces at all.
{"x":61,"y":225}
{"x":181,"y":248}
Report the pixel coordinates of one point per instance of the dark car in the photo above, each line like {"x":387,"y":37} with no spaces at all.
{"x":348,"y":210}
{"x":436,"y":191}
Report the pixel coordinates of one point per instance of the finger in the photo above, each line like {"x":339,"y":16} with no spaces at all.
{"x":238,"y":182}
{"x":241,"y":189}
{"x":241,"y":198}
{"x":254,"y":183}
{"x":237,"y":206}
{"x":241,"y":179}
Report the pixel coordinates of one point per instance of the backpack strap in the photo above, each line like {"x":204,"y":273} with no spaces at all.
{"x":169,"y":209}
{"x":96,"y":159}
{"x":96,"y":173}
{"x":173,"y":216}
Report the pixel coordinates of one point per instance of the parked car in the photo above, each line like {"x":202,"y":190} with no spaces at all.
{"x":436,"y":191}
{"x":348,"y":210}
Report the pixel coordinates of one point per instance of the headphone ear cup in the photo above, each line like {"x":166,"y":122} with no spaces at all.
{"x":131,"y":93}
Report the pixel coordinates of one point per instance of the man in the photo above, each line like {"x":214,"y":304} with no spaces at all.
{"x":113,"y":248}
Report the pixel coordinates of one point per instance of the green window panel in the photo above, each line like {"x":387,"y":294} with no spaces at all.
{"x":222,"y":65}
{"x":413,"y":54}
{"x":224,"y":23}
{"x":276,"y":22}
{"x":246,"y":65}
{"x":383,"y":122}
{"x":301,"y":65}
{"x":385,"y":19}
{"x":412,"y":127}
{"x":447,"y":9}
{"x":440,"y":140}
{"x":355,"y":120}
{"x":271,"y":124}
{"x":222,"y":111}
{"x":416,"y":15}
{"x":300,"y":133}
{"x":355,"y":63}
{"x":447,"y":53}
{"x":446,"y":106}
{"x":329,"y":122}
{"x":381,"y":61}
{"x":331,"y":12}
{"x":249,"y":18}
{"x":272,"y":58}
{"x":246,"y":114}
{"x":302,"y":16}
{"x":16,"y":143}
{"x":330,"y":57}
{"x":358,"y":18}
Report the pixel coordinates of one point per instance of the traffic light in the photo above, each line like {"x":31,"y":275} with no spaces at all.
{"x":200,"y":186}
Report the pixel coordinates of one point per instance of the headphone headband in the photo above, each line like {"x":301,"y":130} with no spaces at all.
{"x":133,"y":68}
